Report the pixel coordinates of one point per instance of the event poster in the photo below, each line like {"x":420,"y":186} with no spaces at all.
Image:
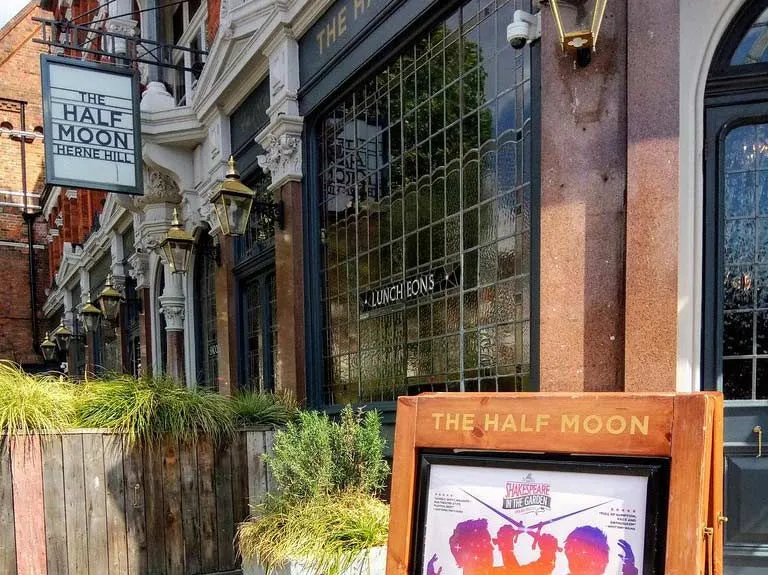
{"x":510,"y":521}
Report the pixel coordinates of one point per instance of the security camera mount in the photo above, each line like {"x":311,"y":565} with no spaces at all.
{"x":525,"y":28}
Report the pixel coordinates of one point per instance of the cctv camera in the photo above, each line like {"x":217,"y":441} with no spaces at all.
{"x":524,"y":28}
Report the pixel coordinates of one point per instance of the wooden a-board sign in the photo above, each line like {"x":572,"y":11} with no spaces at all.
{"x":557,"y":484}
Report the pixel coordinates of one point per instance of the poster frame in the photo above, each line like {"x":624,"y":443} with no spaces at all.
{"x":685,"y":428}
{"x":50,"y":176}
{"x":656,"y":470}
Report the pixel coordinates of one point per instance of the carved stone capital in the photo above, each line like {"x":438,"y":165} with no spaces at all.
{"x":282,"y":143}
{"x":208,"y":214}
{"x":139,"y":271}
{"x":172,"y":308}
{"x":159,"y":188}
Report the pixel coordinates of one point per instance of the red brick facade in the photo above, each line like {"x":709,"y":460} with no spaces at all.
{"x":20,"y":73}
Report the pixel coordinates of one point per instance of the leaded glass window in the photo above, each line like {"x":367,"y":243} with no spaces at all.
{"x":259,"y":238}
{"x":745,"y":282}
{"x":205,"y":300}
{"x":425,"y":201}
{"x":260,"y":307}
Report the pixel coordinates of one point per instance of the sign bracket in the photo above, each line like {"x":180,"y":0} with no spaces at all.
{"x":63,"y":35}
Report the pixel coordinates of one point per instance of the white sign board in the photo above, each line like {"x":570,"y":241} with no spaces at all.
{"x":484,"y":520}
{"x":92,"y":125}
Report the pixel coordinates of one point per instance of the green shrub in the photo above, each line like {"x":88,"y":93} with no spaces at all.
{"x":259,"y":408}
{"x":318,"y":456}
{"x":325,"y":510}
{"x":147,"y":409}
{"x":325,"y":532}
{"x":33,"y":403}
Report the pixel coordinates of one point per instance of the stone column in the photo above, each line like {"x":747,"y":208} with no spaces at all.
{"x":120,"y":22}
{"x":283,"y":160}
{"x":85,"y":289}
{"x":226,"y":317}
{"x":161,"y":196}
{"x":582,"y":211}
{"x":653,"y":196}
{"x":68,"y":320}
{"x":139,"y":272}
{"x":172,"y":307}
{"x":113,"y":330}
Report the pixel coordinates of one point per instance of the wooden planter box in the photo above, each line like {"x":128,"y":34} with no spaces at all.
{"x":373,"y":562}
{"x":85,"y":502}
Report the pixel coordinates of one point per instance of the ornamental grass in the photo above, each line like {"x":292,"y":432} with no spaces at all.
{"x":144,"y":409}
{"x":147,"y":409}
{"x":261,"y":408}
{"x":325,"y":533}
{"x":325,"y":510}
{"x":33,"y":403}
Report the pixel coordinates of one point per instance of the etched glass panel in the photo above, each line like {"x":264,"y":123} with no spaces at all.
{"x":425,"y":217}
{"x":745,"y":250}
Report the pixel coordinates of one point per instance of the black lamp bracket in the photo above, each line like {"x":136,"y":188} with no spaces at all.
{"x":209,"y":250}
{"x":274,"y":211}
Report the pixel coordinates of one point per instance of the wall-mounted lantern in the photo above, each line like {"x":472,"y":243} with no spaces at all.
{"x":62,"y":336}
{"x":48,"y":348}
{"x":233,"y":201}
{"x":176,"y":246}
{"x":91,"y":316}
{"x":578,"y":24}
{"x":109,"y":300}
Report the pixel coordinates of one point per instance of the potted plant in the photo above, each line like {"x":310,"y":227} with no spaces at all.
{"x":323,"y":514}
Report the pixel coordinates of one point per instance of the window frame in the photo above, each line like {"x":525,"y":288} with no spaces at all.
{"x":316,"y":101}
{"x":730,"y":91}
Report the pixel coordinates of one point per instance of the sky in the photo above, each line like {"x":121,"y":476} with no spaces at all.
{"x":9,"y":9}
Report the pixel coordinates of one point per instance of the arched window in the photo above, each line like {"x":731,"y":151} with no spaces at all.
{"x":205,"y":312}
{"x":735,"y":274}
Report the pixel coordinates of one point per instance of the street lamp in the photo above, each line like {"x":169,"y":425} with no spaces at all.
{"x":62,"y":336}
{"x":177,"y":246}
{"x":233,"y":201}
{"x":578,"y":24}
{"x":109,"y":300}
{"x":91,"y":316}
{"x":48,"y":348}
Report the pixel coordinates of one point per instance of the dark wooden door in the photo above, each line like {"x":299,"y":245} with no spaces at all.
{"x":736,"y":315}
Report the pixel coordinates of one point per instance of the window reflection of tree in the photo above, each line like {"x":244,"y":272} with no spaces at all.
{"x":411,"y":159}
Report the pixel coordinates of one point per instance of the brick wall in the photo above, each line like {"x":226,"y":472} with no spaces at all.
{"x":20,"y":73}
{"x":214,"y":13}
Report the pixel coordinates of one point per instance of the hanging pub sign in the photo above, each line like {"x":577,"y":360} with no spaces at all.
{"x":557,"y":484}
{"x":92,"y":125}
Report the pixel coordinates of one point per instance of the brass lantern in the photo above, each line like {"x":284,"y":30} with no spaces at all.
{"x":63,"y":337}
{"x":578,"y":24}
{"x":177,"y":246}
{"x":48,"y":348}
{"x":109,"y":300}
{"x":91,"y":316}
{"x":233,"y":201}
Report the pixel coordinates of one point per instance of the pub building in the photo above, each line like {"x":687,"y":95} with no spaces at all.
{"x":443,"y":206}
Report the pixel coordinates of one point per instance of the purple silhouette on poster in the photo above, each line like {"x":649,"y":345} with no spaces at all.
{"x":586,"y":550}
